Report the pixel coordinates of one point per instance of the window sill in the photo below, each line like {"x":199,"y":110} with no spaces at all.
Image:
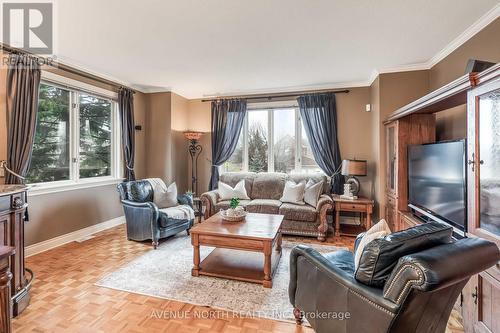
{"x":47,"y":188}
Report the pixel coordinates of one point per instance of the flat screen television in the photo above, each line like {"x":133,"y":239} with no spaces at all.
{"x":437,"y":181}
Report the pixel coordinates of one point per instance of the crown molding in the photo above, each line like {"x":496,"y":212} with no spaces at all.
{"x":470,"y":32}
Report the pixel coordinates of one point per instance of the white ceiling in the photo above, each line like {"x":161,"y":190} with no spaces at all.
{"x":199,"y":48}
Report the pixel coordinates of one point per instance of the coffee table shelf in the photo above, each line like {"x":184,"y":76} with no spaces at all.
{"x":247,"y":251}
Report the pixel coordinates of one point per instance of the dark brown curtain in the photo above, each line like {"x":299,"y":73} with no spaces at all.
{"x":126,"y":106}
{"x":23,"y":81}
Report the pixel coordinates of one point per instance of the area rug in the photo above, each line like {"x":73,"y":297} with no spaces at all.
{"x":166,"y":273}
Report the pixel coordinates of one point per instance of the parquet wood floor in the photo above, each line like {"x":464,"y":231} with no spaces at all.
{"x":64,"y":298}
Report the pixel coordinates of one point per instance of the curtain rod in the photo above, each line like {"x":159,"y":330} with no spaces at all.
{"x":270,"y":97}
{"x":65,"y":68}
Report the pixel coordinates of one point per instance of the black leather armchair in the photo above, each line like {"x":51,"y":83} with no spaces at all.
{"x":417,"y":297}
{"x":143,"y":218}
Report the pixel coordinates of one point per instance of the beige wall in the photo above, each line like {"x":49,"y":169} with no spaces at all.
{"x":355,"y":132}
{"x":158,"y":136}
{"x":394,"y":90}
{"x":484,"y":45}
{"x":180,"y":123}
{"x":375,"y":168}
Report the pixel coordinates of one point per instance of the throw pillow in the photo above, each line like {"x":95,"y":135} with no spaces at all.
{"x":163,"y":196}
{"x":381,"y":255}
{"x":312,"y":192}
{"x":379,"y":230}
{"x":226,"y":192}
{"x":294,"y":193}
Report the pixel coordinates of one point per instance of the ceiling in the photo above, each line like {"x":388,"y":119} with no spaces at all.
{"x":202,"y":48}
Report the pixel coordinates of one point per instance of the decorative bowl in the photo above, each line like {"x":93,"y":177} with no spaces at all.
{"x":240,"y":217}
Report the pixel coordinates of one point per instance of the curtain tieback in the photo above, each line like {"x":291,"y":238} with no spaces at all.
{"x":4,"y":165}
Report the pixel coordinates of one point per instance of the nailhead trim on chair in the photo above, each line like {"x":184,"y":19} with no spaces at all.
{"x":420,"y":280}
{"x":352,"y":291}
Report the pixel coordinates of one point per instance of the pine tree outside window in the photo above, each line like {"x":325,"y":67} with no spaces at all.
{"x":272,"y":140}
{"x":77,"y":137}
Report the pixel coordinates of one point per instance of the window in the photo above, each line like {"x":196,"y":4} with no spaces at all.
{"x":272,"y":140}
{"x":76,"y":139}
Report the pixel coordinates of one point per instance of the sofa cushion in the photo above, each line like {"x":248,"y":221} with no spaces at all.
{"x":225,"y":204}
{"x":265,"y":206}
{"x":298,"y":212}
{"x":342,"y":259}
{"x":294,"y":193}
{"x":163,"y":196}
{"x":314,"y":177}
{"x":233,"y":178}
{"x":312,"y":192}
{"x":228,"y":192}
{"x":381,"y":255}
{"x":268,"y":185}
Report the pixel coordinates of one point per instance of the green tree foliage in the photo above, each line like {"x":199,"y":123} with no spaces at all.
{"x":51,"y":148}
{"x":50,"y":159}
{"x":95,"y":136}
{"x":257,"y":149}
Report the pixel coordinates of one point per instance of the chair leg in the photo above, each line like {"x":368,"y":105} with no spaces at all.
{"x":298,"y":316}
{"x":187,"y":231}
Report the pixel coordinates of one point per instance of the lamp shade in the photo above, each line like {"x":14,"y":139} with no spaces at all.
{"x":354,"y":167}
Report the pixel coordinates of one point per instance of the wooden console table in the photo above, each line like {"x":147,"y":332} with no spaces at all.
{"x":12,"y":212}
{"x":5,"y":294}
{"x":360,"y":205}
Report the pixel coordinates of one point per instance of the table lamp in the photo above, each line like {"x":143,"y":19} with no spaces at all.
{"x":351,"y":169}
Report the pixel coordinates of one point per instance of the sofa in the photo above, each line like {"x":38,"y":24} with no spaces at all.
{"x":417,"y":296}
{"x":265,"y":190}
{"x":144,"y":219}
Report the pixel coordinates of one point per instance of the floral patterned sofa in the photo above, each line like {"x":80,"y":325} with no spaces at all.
{"x":265,"y":190}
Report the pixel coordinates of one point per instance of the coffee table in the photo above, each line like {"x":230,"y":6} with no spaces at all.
{"x":247,"y":251}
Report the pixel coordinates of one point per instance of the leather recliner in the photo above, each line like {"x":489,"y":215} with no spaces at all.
{"x":418,"y":296}
{"x":143,"y":218}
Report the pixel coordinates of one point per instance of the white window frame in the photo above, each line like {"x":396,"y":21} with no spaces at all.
{"x":75,"y":182}
{"x":270,"y":107}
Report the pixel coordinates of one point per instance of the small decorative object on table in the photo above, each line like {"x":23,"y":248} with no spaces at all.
{"x":352,"y":168}
{"x":235,"y":212}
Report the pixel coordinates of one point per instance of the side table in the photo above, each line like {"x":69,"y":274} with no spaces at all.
{"x":359,"y":205}
{"x":198,"y":208}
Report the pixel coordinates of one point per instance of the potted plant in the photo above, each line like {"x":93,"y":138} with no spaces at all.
{"x":234,"y":208}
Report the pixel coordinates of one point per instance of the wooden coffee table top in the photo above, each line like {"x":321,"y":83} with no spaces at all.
{"x":255,"y":226}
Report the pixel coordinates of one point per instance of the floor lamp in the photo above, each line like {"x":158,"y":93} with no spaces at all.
{"x":194,"y":150}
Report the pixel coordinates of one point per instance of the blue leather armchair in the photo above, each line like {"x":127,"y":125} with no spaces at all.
{"x":143,"y":218}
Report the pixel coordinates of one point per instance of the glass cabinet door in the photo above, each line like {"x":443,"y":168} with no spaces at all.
{"x":391,"y":159}
{"x":488,"y":161}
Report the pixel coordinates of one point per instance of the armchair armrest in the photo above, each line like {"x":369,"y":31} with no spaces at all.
{"x":209,"y":199}
{"x":440,"y":267}
{"x":142,"y":220}
{"x":324,"y":204}
{"x":338,"y":277}
{"x":324,"y":199}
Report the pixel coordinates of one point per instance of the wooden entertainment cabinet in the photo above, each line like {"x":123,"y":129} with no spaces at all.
{"x":415,"y":124}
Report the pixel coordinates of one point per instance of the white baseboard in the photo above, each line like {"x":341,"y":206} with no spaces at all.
{"x":72,"y":236}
